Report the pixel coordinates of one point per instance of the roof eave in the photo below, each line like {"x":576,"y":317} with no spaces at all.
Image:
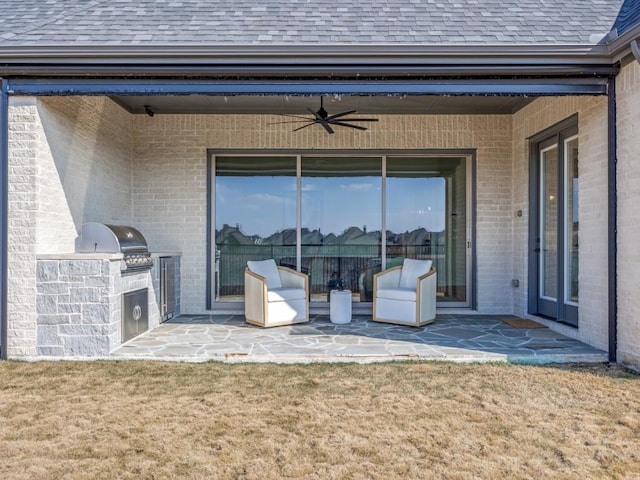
{"x":309,"y":60}
{"x":171,"y":53}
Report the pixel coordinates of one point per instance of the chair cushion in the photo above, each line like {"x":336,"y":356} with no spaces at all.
{"x":285,"y":294}
{"x":411,"y":270}
{"x":404,"y":294}
{"x":268,"y":270}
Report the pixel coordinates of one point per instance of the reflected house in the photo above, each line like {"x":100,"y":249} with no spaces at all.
{"x":353,"y":256}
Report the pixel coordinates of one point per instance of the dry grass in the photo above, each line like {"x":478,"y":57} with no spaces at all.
{"x":138,"y":420}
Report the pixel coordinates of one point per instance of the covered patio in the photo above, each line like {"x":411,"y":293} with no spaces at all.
{"x":453,"y":337}
{"x":494,"y":157}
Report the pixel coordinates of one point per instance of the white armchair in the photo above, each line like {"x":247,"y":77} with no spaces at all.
{"x":406,"y":294}
{"x":275,"y":295}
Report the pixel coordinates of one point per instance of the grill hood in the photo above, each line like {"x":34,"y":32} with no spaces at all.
{"x":102,"y":238}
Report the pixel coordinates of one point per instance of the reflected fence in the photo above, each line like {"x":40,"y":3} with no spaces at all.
{"x":352,"y":265}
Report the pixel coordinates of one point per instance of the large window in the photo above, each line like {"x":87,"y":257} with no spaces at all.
{"x":325,"y":215}
{"x":341,"y":221}
{"x":255,"y":205}
{"x":426,"y":215}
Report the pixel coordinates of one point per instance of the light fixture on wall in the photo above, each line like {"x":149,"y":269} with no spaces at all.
{"x":149,"y":111}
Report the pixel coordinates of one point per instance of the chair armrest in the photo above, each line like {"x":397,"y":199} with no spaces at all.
{"x":389,"y":278}
{"x":293,"y":279}
{"x":426,"y":295}
{"x":255,"y":295}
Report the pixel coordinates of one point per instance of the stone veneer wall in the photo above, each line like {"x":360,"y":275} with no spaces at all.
{"x":79,"y":302}
{"x":592,"y":129}
{"x":170,"y":174}
{"x":69,"y":162}
{"x":628,"y":149}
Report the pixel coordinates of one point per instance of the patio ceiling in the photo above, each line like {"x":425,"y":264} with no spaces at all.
{"x":298,"y":104}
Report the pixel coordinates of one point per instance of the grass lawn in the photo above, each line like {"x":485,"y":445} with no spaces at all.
{"x":148,"y":420}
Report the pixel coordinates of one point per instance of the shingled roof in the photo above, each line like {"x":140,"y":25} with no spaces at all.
{"x":310,"y":22}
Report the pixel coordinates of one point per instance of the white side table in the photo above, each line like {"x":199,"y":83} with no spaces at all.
{"x":340,"y":306}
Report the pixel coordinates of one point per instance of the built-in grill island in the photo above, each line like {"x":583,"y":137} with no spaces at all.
{"x":103,"y":238}
{"x":106,"y":292}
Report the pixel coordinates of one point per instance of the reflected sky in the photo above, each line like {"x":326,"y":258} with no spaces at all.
{"x":332,"y":205}
{"x":259,"y":205}
{"x":265,"y":205}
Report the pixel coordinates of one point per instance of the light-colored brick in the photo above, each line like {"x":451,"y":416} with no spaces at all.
{"x":592,"y":124}
{"x":628,"y":265}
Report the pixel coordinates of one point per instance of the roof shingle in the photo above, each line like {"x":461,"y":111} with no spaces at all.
{"x":300,"y":22}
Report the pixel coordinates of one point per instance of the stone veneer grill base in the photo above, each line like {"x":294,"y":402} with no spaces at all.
{"x":79,"y":303}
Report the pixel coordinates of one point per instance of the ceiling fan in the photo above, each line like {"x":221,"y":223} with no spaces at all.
{"x":323,"y":118}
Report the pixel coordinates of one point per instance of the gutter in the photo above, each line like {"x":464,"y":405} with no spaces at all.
{"x":306,"y":60}
{"x":622,"y":46}
{"x":299,"y":70}
{"x":172,"y":52}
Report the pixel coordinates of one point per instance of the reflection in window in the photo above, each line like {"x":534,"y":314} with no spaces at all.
{"x":255,"y":203}
{"x":340,"y":201}
{"x":549,"y":223}
{"x":572,"y":221}
{"x":341,"y":221}
{"x":426,"y":218}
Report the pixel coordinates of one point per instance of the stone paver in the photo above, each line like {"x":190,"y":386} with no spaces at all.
{"x":457,"y":338}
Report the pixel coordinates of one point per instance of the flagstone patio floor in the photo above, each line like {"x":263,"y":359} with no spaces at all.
{"x":457,"y":338}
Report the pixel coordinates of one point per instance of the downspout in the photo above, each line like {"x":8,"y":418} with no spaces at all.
{"x":612,"y":201}
{"x":4,"y":217}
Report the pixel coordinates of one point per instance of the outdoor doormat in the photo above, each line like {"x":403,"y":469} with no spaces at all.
{"x":522,"y":323}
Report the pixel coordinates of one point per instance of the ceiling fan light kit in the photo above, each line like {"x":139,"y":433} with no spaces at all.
{"x":322,"y":117}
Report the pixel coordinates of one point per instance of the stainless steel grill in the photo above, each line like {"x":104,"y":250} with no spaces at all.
{"x":102,"y":238}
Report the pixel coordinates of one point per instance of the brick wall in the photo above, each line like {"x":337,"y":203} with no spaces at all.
{"x":170,"y":204}
{"x":628,"y":127}
{"x":592,"y":122}
{"x":25,"y":138}
{"x":85,"y":168}
{"x":69,"y":162}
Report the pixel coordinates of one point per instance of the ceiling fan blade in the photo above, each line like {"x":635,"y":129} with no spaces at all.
{"x":305,"y":126}
{"x":359,"y":119}
{"x":342,"y":124}
{"x":292,"y":116}
{"x":326,"y":126}
{"x":341,"y":114}
{"x":292,"y":121}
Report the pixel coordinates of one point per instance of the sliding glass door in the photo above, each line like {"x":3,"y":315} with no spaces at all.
{"x":341,"y":219}
{"x":255,"y":205}
{"x":427,"y":218}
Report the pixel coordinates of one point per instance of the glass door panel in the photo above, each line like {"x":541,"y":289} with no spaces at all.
{"x":341,"y":222}
{"x":426,"y":218}
{"x":255,"y":218}
{"x":549,"y":224}
{"x":554,"y":273}
{"x":571,"y":221}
